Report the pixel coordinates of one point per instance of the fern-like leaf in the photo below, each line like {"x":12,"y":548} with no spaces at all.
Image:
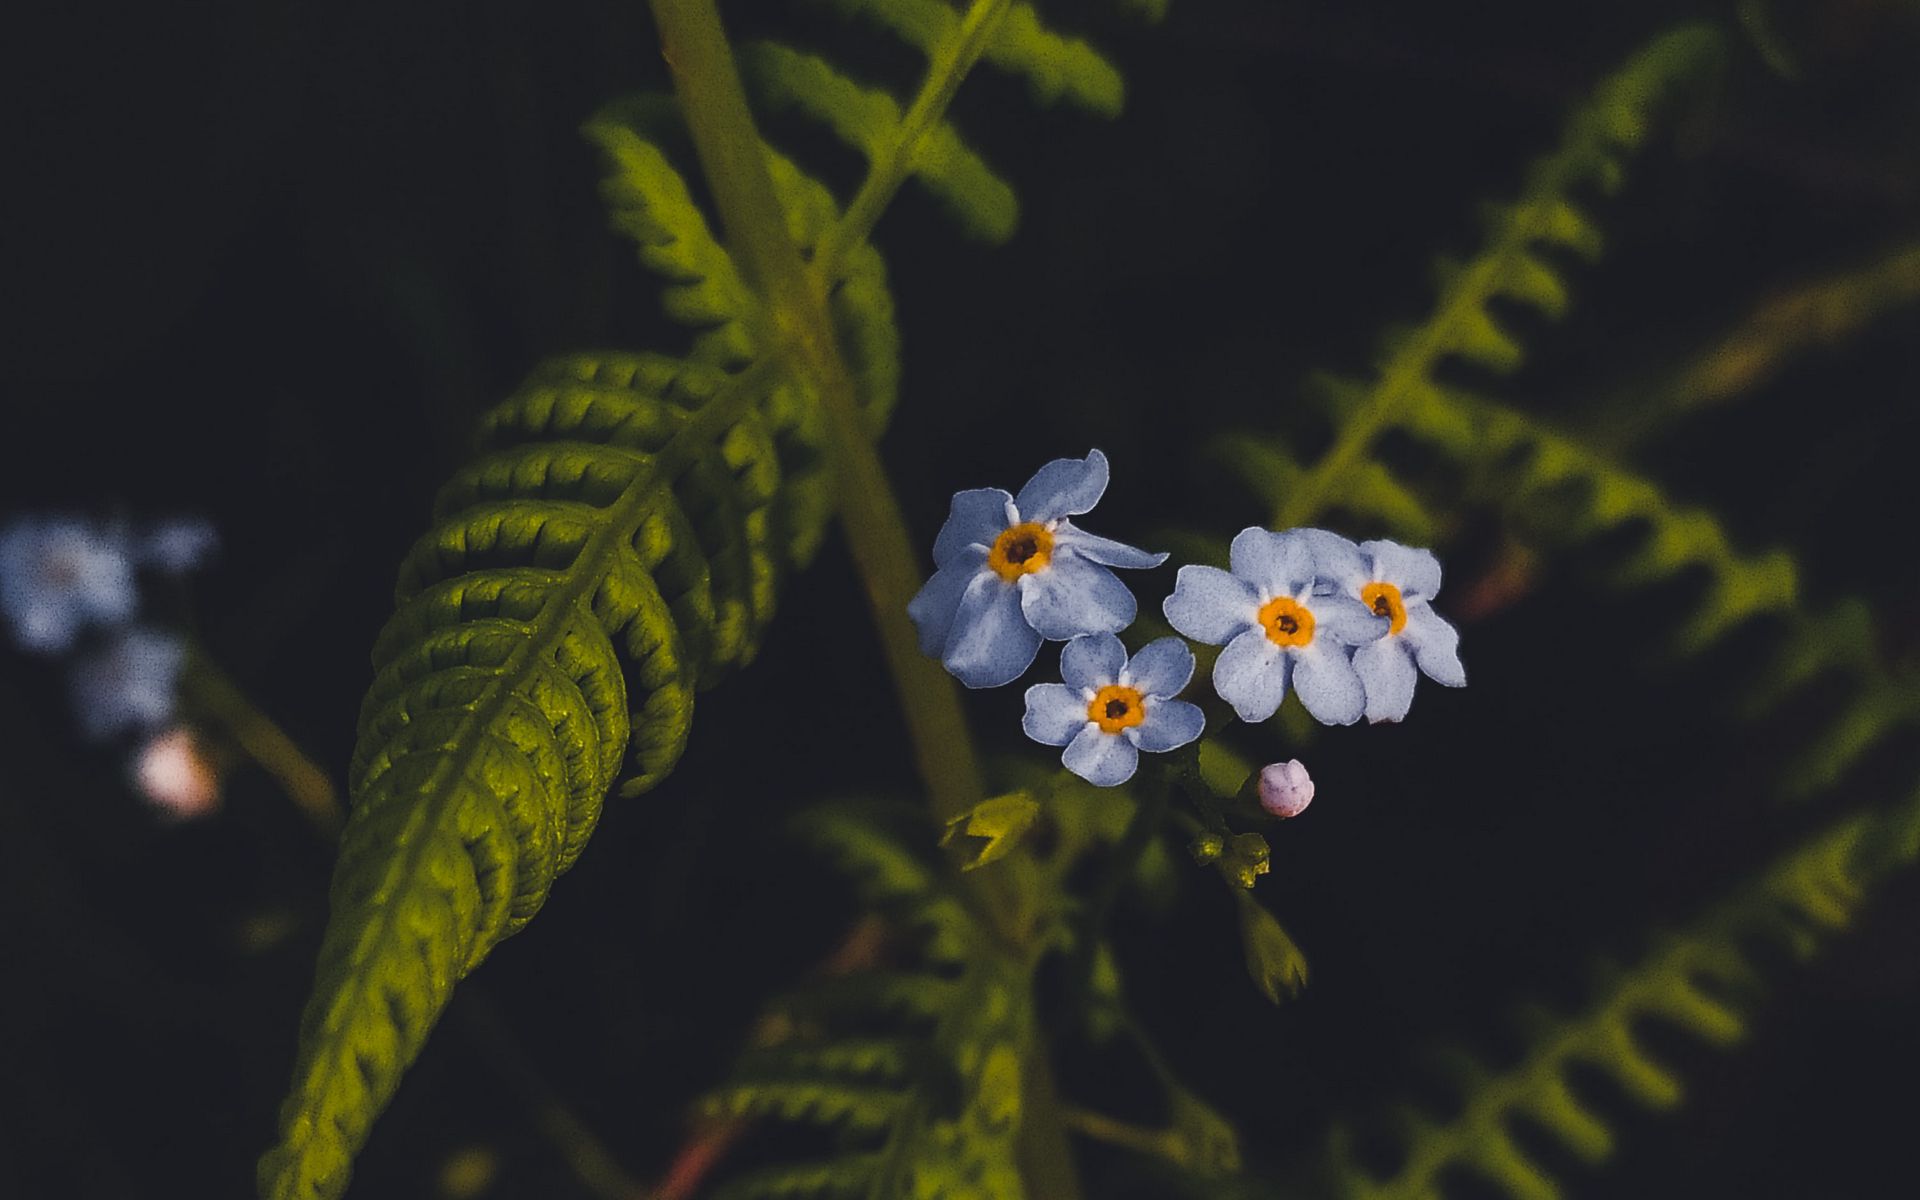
{"x":616,"y":546}
{"x":1700,"y":981}
{"x":608,"y":549}
{"x":917,"y":1072}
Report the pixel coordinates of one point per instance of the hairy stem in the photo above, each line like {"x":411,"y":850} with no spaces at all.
{"x":730,"y":153}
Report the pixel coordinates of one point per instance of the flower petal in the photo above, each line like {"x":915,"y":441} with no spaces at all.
{"x":1386,"y":672}
{"x":1168,"y":725}
{"x":1251,"y":674}
{"x":1065,"y":487}
{"x":990,"y":642}
{"x":1274,"y":563}
{"x":1209,"y":605}
{"x":1162,"y":667}
{"x":1415,"y":572}
{"x":1092,"y":662}
{"x":1345,"y":620}
{"x":1336,"y":560}
{"x":1055,"y":713}
{"x":1102,"y":759}
{"x":976,"y":518}
{"x":1105,"y":551}
{"x":1071,"y":596}
{"x":1436,"y":645}
{"x":1329,"y":686}
{"x":934,"y":605}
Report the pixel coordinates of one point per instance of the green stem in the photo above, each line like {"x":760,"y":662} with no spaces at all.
{"x":947,"y":69}
{"x":730,"y":153}
{"x":212,"y":693}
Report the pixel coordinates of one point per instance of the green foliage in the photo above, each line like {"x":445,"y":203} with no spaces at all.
{"x":616,"y":545}
{"x":1558,"y":489}
{"x":916,"y":1070}
{"x":608,"y":550}
{"x":1701,"y":980}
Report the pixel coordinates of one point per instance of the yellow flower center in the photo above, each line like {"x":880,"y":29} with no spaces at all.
{"x":1021,"y":550}
{"x":1114,"y":708}
{"x":1287,"y":621}
{"x":1384,"y":600}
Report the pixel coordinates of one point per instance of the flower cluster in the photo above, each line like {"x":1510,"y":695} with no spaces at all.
{"x":1343,"y":625}
{"x":69,"y":586}
{"x":1347,"y":627}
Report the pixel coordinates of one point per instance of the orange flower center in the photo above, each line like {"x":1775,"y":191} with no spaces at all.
{"x":1287,"y":621}
{"x":1020,"y":550}
{"x":1114,"y":708}
{"x":1384,"y":600}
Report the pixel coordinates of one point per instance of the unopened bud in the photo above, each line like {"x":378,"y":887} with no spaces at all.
{"x":1246,"y":858}
{"x":1207,"y":847}
{"x":1285,"y":789}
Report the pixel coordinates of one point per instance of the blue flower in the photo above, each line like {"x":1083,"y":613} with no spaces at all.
{"x":1013,"y":570}
{"x":1277,"y":629}
{"x":58,"y":574}
{"x":1111,"y":708}
{"x":130,"y":683}
{"x":1398,"y":583}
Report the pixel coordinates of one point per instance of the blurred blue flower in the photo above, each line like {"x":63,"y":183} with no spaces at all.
{"x":179,"y":546}
{"x":60,"y":574}
{"x":1013,"y":571}
{"x":1110,"y":707}
{"x":130,"y":683}
{"x":1397,"y":583}
{"x":1278,"y":630}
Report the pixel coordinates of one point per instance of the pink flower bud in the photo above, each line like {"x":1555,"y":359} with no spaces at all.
{"x":1285,"y":789}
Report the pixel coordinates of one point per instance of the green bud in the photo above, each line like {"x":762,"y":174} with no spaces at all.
{"x":1207,"y":847}
{"x":990,"y":828}
{"x":1245,"y":859}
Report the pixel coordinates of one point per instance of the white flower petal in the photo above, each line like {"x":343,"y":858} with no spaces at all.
{"x":1345,"y":620}
{"x":1105,"y":551}
{"x":1065,"y":487}
{"x":1102,"y":759}
{"x":1055,"y":713}
{"x":1329,"y":686}
{"x":1162,"y":667}
{"x":1168,"y":725}
{"x":934,"y":605}
{"x":1092,"y":662}
{"x":1386,"y":672}
{"x":1274,"y":563}
{"x":991,"y":642}
{"x":1415,"y":572}
{"x":1071,"y":596}
{"x":976,"y":517}
{"x":1209,"y":605}
{"x":1337,"y":562}
{"x":1436,"y":645}
{"x":1251,"y":674}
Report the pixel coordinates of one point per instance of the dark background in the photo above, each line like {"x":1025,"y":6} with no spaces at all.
{"x":269,"y":262}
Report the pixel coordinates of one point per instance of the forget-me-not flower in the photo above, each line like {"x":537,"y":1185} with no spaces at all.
{"x":60,"y":574}
{"x":1276,"y":628}
{"x":1014,"y":571}
{"x":1111,"y":707}
{"x":128,"y":684}
{"x":1397,"y":583}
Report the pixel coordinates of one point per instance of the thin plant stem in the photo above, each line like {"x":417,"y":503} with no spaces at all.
{"x":212,"y":692}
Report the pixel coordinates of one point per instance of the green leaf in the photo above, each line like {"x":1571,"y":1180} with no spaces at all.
{"x":990,"y":828}
{"x":1278,"y":968}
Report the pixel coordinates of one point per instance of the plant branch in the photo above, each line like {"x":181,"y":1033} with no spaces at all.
{"x":733,"y":160}
{"x":213,"y":693}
